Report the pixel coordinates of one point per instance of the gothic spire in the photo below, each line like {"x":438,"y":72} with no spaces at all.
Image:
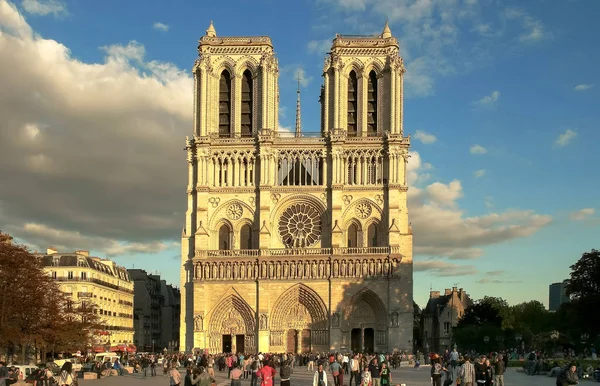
{"x":211,"y":32}
{"x":298,"y":120}
{"x":387,"y":32}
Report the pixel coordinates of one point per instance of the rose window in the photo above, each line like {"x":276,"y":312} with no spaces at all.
{"x":234,"y":211}
{"x":300,"y":226}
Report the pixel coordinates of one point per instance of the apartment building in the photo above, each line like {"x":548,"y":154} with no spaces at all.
{"x":104,"y":284}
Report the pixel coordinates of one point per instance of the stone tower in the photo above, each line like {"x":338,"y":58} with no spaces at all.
{"x":297,"y":242}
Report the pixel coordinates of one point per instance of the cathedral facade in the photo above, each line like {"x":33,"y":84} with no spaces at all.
{"x":297,"y":242}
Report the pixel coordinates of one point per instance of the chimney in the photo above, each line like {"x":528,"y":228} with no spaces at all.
{"x":434,"y":294}
{"x":447,"y":292}
{"x":83,"y":252}
{"x":461,"y":295}
{"x":51,"y":250}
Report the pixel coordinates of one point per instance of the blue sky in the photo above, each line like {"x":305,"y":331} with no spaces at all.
{"x":501,"y":103}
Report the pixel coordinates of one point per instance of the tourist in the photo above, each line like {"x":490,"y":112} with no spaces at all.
{"x":320,"y":377}
{"x":467,"y":372}
{"x":174,"y":375}
{"x":336,"y":372}
{"x":66,"y":378}
{"x":267,"y":373}
{"x":374,"y":368}
{"x":437,"y":370}
{"x":489,"y":373}
{"x":355,"y":370}
{"x":285,"y":372}
{"x":385,"y":375}
{"x":366,"y":377}
{"x":568,"y":376}
{"x":235,"y":374}
{"x":499,"y":368}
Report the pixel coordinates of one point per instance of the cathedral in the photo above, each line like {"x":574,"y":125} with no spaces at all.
{"x":296,"y":242}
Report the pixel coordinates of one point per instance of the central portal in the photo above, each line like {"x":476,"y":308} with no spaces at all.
{"x":292,"y":341}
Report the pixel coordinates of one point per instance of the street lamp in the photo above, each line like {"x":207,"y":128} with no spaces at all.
{"x":499,"y":339}
{"x":486,"y":339}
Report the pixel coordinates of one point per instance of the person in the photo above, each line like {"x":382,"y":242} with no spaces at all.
{"x":285,"y":372}
{"x":354,"y":371}
{"x":489,"y":373}
{"x":188,"y":377}
{"x":467,"y":372}
{"x":66,"y":377}
{"x":437,"y":370}
{"x":453,"y":358}
{"x":568,"y":376}
{"x":480,"y":371}
{"x":320,"y":377}
{"x":174,"y":375}
{"x":499,"y":368}
{"x":374,"y":369}
{"x":336,"y":371}
{"x":365,"y":379}
{"x":235,"y":374}
{"x":255,"y":371}
{"x":267,"y":373}
{"x":201,"y":378}
{"x":385,"y":375}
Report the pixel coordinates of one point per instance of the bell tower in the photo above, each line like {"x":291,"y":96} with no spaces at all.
{"x":362,"y":93}
{"x":235,"y":86}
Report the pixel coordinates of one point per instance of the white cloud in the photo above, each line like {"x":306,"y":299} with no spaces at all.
{"x":444,"y":268}
{"x":57,"y":124}
{"x":319,"y":47}
{"x":434,"y":210}
{"x":479,"y":173}
{"x":478,"y":149}
{"x":160,"y":26}
{"x":425,"y":137}
{"x":583,"y":87}
{"x":489,"y":100}
{"x":496,"y":281}
{"x":295,"y":71}
{"x":565,"y":138}
{"x":45,"y":7}
{"x":582,"y":214}
{"x":533,"y":29}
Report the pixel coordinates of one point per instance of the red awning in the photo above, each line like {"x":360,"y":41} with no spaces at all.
{"x":98,"y":348}
{"x":131,"y":348}
{"x":119,"y":348}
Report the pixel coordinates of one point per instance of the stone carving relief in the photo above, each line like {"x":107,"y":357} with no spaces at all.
{"x":262,"y":322}
{"x":199,"y":322}
{"x":394,"y":319}
{"x":324,"y":197}
{"x":300,"y":226}
{"x":235,"y":211}
{"x":275,"y":197}
{"x":379,"y":199}
{"x":214,"y":201}
{"x":347,"y":199}
{"x":252,"y":200}
{"x":335,"y":320}
{"x":363,"y":210}
{"x":296,"y":269}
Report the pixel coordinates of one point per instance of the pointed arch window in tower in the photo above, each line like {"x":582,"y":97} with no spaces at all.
{"x":372,"y":105}
{"x":352,"y":104}
{"x":246,"y":237}
{"x":224,"y":238}
{"x":225,"y":104}
{"x":247,"y":104}
{"x":352,"y":236}
{"x":372,"y":235}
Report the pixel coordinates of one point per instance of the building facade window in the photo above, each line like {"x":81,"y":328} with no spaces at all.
{"x":352,"y":236}
{"x":372,"y":105}
{"x":372,"y":235}
{"x":246,"y":237}
{"x":247,"y":102}
{"x":70,"y":275}
{"x":352,"y":104}
{"x":446,"y":327}
{"x":224,"y":238}
{"x":225,"y":104}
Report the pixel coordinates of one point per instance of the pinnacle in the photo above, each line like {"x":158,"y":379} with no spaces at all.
{"x":211,"y":30}
{"x":387,"y":32}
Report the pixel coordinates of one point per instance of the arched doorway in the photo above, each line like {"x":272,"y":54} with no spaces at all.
{"x":299,"y":322}
{"x":232,"y":326}
{"x":365,"y":322}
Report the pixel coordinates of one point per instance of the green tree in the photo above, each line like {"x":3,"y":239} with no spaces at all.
{"x":583,"y":287}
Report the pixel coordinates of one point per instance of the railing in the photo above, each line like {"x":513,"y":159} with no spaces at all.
{"x":126,"y":303}
{"x":96,"y":281}
{"x":84,"y":294}
{"x":297,"y":252}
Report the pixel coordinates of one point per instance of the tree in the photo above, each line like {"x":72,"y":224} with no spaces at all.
{"x":583,"y":288}
{"x":33,"y":310}
{"x":530,"y":317}
{"x":481,"y":313}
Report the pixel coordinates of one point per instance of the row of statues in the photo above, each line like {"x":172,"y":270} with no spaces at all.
{"x":295,"y":269}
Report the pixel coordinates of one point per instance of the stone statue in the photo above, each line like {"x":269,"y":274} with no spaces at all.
{"x":228,"y":274}
{"x":394,"y":318}
{"x":314,"y":269}
{"x":206,"y":271}
{"x":386,"y":267}
{"x":321,"y":269}
{"x":335,"y":268}
{"x":335,"y":320}
{"x":263,"y":322}
{"x":199,"y":323}
{"x":378,"y":271}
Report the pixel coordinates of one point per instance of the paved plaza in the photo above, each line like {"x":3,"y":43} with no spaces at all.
{"x":301,"y":377}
